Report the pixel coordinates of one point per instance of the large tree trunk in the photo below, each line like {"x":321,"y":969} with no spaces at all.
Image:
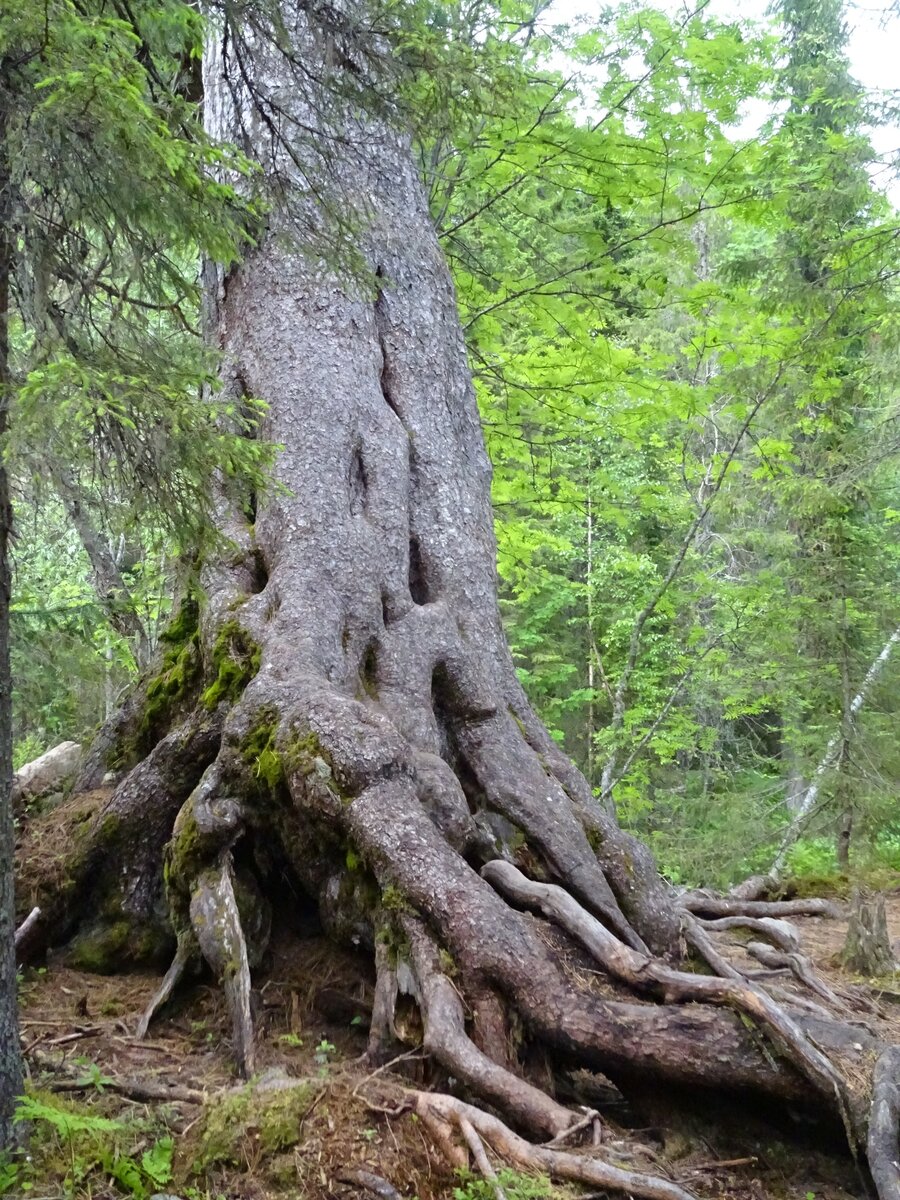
{"x":347,"y":708}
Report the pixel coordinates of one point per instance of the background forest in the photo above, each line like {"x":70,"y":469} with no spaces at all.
{"x":685,"y":345}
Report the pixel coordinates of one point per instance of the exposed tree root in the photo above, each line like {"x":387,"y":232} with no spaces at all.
{"x":383,"y":1041}
{"x":648,"y":974}
{"x":802,"y":970}
{"x":164,"y":992}
{"x":446,"y":1039}
{"x":729,"y":906}
{"x":884,"y":1126}
{"x":780,"y":933}
{"x":217,"y":927}
{"x":699,"y":940}
{"x":442,"y":1114}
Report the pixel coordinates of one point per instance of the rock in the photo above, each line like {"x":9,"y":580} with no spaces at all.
{"x":49,"y":773}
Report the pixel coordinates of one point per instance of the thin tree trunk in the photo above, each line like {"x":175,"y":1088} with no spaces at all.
{"x":590,"y":622}
{"x":112,"y":590}
{"x":843,"y":796}
{"x":831,"y":758}
{"x":10,"y":1058}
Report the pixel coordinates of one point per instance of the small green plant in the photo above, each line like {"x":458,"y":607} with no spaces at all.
{"x":201,"y":1030}
{"x":291,"y":1039}
{"x":322,"y":1055}
{"x":515,"y":1186}
{"x":92,"y":1076}
{"x":813,"y":856}
{"x":11,"y":1175}
{"x":156,"y":1162}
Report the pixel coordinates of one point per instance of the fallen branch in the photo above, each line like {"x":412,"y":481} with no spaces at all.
{"x":26,"y":927}
{"x":26,"y":933}
{"x":147,"y":1091}
{"x":369,"y":1182}
{"x":134,"y":1089}
{"x":94,"y":1031}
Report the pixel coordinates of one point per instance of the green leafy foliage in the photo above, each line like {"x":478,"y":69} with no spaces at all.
{"x":82,"y":1150}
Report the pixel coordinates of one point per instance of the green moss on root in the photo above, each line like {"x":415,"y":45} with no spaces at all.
{"x":258,"y":751}
{"x":185,"y":857}
{"x":235,"y":660}
{"x":305,"y":755}
{"x":179,"y":675}
{"x":181,"y":665}
{"x":393,"y":900}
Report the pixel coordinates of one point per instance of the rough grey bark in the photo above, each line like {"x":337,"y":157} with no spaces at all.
{"x":10,"y":1059}
{"x":378,"y":621}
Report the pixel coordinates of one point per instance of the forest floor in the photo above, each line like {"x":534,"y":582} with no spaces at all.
{"x":211,"y":1137}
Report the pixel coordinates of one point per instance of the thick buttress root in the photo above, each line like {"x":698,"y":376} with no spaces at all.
{"x":217,"y":926}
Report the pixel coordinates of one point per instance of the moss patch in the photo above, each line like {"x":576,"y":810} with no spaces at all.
{"x":257,"y":749}
{"x":235,"y":660}
{"x":181,"y":665}
{"x":179,"y":674}
{"x":185,"y":857}
{"x":107,"y":947}
{"x":256,"y":1119}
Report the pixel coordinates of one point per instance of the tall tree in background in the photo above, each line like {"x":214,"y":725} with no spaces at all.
{"x":635,"y":400}
{"x":840,"y":428}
